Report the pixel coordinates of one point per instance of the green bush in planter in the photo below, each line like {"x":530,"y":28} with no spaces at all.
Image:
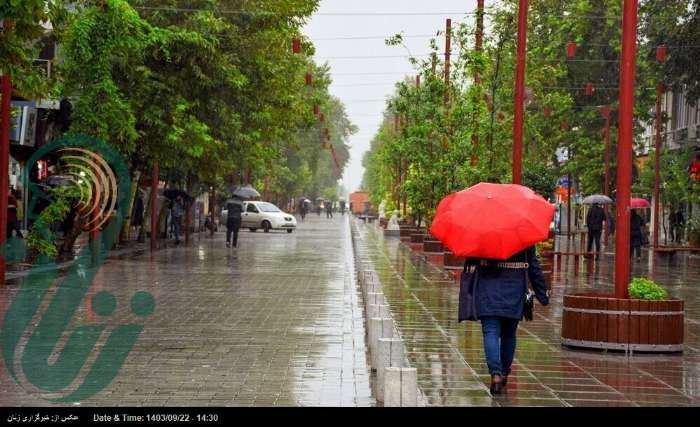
{"x":647,"y":289}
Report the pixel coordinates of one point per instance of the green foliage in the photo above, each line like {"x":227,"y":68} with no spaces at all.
{"x":540,"y":178}
{"x":20,"y":46}
{"x":41,"y":239}
{"x":646,"y":289}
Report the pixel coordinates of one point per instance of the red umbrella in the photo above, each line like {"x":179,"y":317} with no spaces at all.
{"x":637,"y":203}
{"x":492,"y":220}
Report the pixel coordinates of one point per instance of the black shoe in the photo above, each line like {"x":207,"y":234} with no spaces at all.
{"x":496,"y":384}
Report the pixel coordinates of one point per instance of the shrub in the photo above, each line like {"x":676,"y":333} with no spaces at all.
{"x":647,"y":289}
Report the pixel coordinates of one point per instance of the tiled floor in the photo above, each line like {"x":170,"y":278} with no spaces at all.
{"x":450,"y":360}
{"x":274,"y":322}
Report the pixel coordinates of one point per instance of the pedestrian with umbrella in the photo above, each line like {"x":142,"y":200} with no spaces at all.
{"x":595,"y":219}
{"x":234,"y":207}
{"x":636,"y":234}
{"x":495,"y":227}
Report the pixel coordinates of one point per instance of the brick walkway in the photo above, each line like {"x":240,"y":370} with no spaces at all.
{"x":274,"y":322}
{"x":449,"y":356}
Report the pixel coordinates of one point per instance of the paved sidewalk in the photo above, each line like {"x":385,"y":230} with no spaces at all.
{"x":274,"y":322}
{"x":449,"y":356}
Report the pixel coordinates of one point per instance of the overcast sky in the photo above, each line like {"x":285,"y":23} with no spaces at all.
{"x":364,"y":95}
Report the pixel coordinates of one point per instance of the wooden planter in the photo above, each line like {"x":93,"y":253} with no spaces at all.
{"x":453,"y":262}
{"x":604,"y":322}
{"x":416,"y":242}
{"x":433,"y":246}
{"x":406,"y":231}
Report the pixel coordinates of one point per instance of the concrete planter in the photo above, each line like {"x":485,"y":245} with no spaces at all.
{"x":598,"y":321}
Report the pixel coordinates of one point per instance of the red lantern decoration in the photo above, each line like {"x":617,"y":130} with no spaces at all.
{"x":317,"y":110}
{"x":309,"y":79}
{"x":589,"y":89}
{"x":296,"y":45}
{"x":605,"y":111}
{"x":571,"y":49}
{"x":322,"y":118}
{"x":547,"y":112}
{"x":661,"y":52}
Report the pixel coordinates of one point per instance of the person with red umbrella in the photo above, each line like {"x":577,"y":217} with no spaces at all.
{"x":495,"y":227}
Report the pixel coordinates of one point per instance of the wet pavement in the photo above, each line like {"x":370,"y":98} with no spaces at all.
{"x":275,"y":322}
{"x":449,"y":357}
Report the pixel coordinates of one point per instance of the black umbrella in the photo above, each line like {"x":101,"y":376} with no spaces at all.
{"x":172,"y":194}
{"x":246,"y":192}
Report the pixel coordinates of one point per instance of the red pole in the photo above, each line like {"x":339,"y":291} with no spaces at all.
{"x":6,"y":83}
{"x":606,"y":190}
{"x":624,"y":148}
{"x":477,"y":76}
{"x":657,"y":163}
{"x":4,"y":163}
{"x":448,"y":51}
{"x":154,"y":205}
{"x":519,"y":93}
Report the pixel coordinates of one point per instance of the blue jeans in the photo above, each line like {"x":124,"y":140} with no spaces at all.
{"x":499,"y":343}
{"x":177,"y":226}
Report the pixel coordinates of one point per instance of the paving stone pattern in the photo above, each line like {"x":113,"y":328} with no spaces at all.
{"x":449,"y":356}
{"x":274,"y":322}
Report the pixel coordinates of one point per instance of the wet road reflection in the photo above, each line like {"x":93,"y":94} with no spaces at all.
{"x":450,"y":360}
{"x":274,"y":322}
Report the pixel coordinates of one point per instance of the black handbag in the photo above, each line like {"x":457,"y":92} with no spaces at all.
{"x":467,"y":293}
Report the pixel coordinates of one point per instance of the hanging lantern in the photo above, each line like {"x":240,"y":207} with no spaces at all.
{"x":565,"y":125}
{"x":571,"y":49}
{"x":661,"y":52}
{"x":309,"y":79}
{"x":322,"y":118}
{"x":605,"y":111}
{"x":317,"y":110}
{"x":296,"y":45}
{"x":589,"y":89}
{"x":547,"y":112}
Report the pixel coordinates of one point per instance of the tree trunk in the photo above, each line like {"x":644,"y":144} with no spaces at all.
{"x":65,"y":251}
{"x":126,"y":226}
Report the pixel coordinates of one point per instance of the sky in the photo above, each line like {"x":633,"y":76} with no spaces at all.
{"x":338,"y":34}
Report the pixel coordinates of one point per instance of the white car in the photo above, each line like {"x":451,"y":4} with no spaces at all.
{"x":266,"y":216}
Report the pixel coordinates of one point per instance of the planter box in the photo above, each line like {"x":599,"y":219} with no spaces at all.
{"x":433,"y":247}
{"x":418,"y":237}
{"x":604,"y":322}
{"x":405,"y":232}
{"x":453,"y":262}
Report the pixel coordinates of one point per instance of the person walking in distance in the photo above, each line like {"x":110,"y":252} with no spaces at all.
{"x":636,"y":235}
{"x":342,"y":207}
{"x":594,"y":222}
{"x":12,"y":215}
{"x":233,"y":221}
{"x":176,"y":217}
{"x":329,"y":209}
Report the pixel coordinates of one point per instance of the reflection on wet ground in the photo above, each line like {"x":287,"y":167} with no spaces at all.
{"x":273,"y":322}
{"x":449,"y":356}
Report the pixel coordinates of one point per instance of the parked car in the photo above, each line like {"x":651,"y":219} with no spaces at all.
{"x":264,"y":215}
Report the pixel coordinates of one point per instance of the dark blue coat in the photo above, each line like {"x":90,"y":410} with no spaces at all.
{"x":501,"y":291}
